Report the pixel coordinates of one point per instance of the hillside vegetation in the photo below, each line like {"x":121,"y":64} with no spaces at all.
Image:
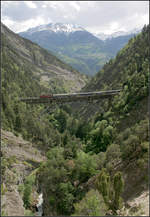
{"x":24,"y":65}
{"x":48,"y":69}
{"x":97,"y":154}
{"x":113,"y":151}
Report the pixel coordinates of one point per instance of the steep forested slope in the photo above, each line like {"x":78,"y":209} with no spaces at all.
{"x":113,"y":155}
{"x":126,"y":113}
{"x":28,"y":70}
{"x":49,"y":70}
{"x":128,"y":71}
{"x":23,"y":68}
{"x":123,"y":122}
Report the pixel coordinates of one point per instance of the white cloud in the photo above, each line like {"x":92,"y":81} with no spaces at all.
{"x":23,"y":26}
{"x":98,"y":16}
{"x":30,"y":4}
{"x":44,"y":6}
{"x":8,"y":22}
{"x":31,"y":22}
{"x":144,"y":19}
{"x":114,"y":26}
{"x":75,"y":5}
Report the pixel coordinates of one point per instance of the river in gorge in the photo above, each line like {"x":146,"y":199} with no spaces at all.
{"x":39,"y":205}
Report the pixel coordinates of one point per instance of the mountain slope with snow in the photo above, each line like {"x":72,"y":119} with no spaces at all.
{"x":104,"y":37}
{"x":72,"y":44}
{"x":57,"y":28}
{"x":76,"y":46}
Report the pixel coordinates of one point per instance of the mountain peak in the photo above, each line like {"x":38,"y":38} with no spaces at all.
{"x":57,"y":27}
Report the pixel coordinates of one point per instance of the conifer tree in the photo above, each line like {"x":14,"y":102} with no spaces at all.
{"x":111,"y":192}
{"x":103,"y":184}
{"x":118,"y":186}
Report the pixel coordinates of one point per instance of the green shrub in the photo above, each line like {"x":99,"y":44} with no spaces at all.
{"x":21,"y":189}
{"x":67,"y":198}
{"x":27,"y":195}
{"x":27,"y":190}
{"x":28,"y":213}
{"x":85,"y":166}
{"x":113,"y":156}
{"x":91,"y":205}
{"x":3,"y":189}
{"x":101,"y":158}
{"x":129,"y":146}
{"x":3,"y":213}
{"x":141,"y":163}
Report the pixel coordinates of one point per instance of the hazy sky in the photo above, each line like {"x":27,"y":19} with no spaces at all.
{"x":95,"y":16}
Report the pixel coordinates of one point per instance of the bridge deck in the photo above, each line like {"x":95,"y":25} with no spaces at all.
{"x":73,"y":97}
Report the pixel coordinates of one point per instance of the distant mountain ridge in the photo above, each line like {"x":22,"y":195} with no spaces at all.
{"x":72,"y":44}
{"x":104,"y":37}
{"x":76,"y":46}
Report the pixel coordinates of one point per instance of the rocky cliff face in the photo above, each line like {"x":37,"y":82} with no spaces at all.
{"x":19,"y":160}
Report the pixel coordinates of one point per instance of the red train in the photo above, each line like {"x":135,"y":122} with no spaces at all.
{"x":45,"y":96}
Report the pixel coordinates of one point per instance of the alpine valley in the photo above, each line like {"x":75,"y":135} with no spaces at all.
{"x":76,"y":46}
{"x":80,"y":159}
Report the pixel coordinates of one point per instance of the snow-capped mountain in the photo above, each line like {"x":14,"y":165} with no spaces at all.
{"x":71,"y":43}
{"x":57,"y":28}
{"x":76,"y":46}
{"x":103,"y":36}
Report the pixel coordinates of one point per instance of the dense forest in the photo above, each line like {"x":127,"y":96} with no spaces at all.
{"x":93,"y":164}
